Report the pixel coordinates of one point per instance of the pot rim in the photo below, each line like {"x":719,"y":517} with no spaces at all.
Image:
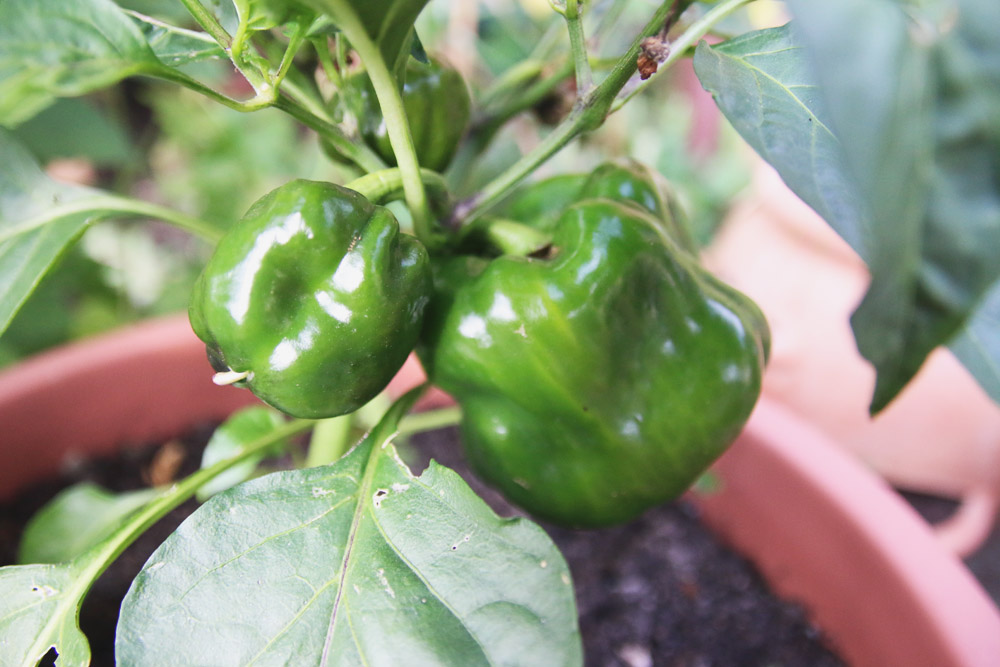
{"x":878,"y":582}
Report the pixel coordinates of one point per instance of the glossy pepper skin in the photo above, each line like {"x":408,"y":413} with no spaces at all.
{"x":437,"y":103}
{"x":540,"y":204}
{"x":316,"y":295}
{"x":600,"y":381}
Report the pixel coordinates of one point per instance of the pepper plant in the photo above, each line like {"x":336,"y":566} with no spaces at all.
{"x":597,"y":368}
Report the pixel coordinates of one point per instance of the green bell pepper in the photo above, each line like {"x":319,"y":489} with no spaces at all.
{"x":625,"y":180}
{"x":602,"y":379}
{"x":313,"y":299}
{"x":437,"y":105}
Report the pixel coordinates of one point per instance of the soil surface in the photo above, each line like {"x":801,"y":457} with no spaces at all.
{"x":658,"y":591}
{"x":662,"y":590}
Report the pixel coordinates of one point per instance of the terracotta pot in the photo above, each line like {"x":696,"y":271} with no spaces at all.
{"x":832,"y":535}
{"x":145,"y":383}
{"x":822,"y":529}
{"x":940,"y":436}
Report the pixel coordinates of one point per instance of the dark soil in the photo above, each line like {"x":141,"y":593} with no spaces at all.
{"x":658,"y":591}
{"x":661,"y":590}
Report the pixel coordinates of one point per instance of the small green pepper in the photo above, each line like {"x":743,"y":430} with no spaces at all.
{"x":313,"y":299}
{"x":601,"y":379}
{"x":437,"y":105}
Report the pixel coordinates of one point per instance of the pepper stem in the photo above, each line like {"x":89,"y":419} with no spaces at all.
{"x":509,"y":237}
{"x":381,"y":186}
{"x":393,"y":112}
{"x":229,"y":377}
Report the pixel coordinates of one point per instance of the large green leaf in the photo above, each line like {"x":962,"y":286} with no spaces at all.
{"x":356,"y":563}
{"x":762,"y":83}
{"x":52,"y":48}
{"x":913,"y":91}
{"x":76,"y":520}
{"x":39,"y":605}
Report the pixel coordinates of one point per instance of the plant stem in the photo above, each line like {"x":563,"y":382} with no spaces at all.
{"x":578,"y":46}
{"x":588,"y":114}
{"x":311,"y":103}
{"x":168,"y":215}
{"x":393,"y":112}
{"x":288,"y":57}
{"x":679,"y":46}
{"x":295,"y":107}
{"x":330,"y":439}
{"x":103,"y":204}
{"x":208,"y":21}
{"x":380,"y":186}
{"x":430,"y":420}
{"x":322,"y":46}
{"x":508,"y":236}
{"x":176,"y":76}
{"x":491,"y":121}
{"x":357,"y":152}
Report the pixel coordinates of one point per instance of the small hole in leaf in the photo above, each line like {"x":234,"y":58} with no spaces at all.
{"x":49,"y":659}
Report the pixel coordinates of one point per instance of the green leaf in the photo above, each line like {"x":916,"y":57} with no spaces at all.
{"x":763,"y":84}
{"x":913,"y":90}
{"x":417,"y":50}
{"x":39,"y":219}
{"x":389,"y":23}
{"x":359,"y":562}
{"x":255,"y":15}
{"x":75,"y":127}
{"x":978,"y":345}
{"x":175,"y":46}
{"x":52,"y":48}
{"x":76,"y":520}
{"x":39,"y":606}
{"x":242,"y":429}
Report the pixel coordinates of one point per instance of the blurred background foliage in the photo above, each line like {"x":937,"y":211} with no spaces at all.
{"x":167,"y":145}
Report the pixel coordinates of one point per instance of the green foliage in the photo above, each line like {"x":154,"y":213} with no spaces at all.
{"x":76,"y":128}
{"x":892,"y":135}
{"x":39,"y":219}
{"x":762,"y":83}
{"x":231,"y":438}
{"x":39,"y":607}
{"x":217,"y":161}
{"x":883,"y":115}
{"x":913,"y":93}
{"x":76,"y":520}
{"x":359,"y":560}
{"x":51,"y":49}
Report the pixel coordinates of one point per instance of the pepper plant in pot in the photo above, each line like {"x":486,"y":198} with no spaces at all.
{"x":598,"y":369}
